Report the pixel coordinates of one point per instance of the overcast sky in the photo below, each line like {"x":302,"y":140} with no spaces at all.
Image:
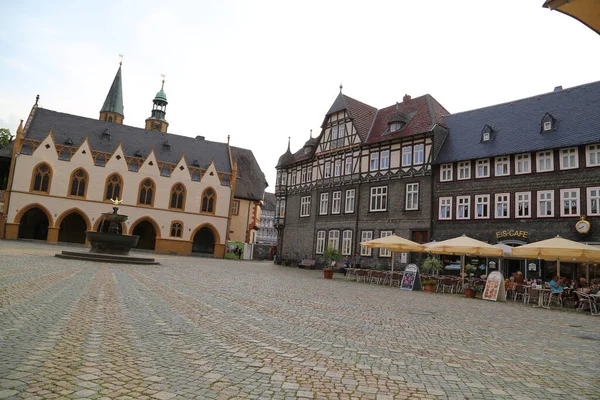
{"x":261,"y":71}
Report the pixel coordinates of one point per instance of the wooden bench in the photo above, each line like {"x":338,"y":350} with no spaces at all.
{"x":307,"y":263}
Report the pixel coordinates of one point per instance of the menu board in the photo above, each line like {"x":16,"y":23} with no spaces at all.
{"x":411,"y":278}
{"x":494,"y":287}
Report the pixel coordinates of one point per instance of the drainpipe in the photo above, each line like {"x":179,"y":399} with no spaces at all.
{"x":13,"y":166}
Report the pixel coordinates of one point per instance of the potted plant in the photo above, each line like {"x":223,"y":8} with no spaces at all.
{"x":331,"y":256}
{"x":429,"y":285}
{"x":433,"y":264}
{"x":470,"y":290}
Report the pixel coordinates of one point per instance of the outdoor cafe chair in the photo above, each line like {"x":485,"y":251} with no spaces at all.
{"x":361,"y":275}
{"x":531,"y":295}
{"x":449,"y":285}
{"x":555,"y":297}
{"x":519,"y":292}
{"x":350,"y":273}
{"x":584,"y":302}
{"x":378,"y":277}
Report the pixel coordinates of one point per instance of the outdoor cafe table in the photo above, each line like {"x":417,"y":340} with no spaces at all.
{"x":543,"y":294}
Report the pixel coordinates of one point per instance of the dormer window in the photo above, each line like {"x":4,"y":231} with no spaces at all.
{"x":69,"y":142}
{"x":137,"y":153}
{"x":396,"y":126}
{"x":487,"y":133}
{"x":398,"y":121}
{"x":196,"y":163}
{"x":548,"y":122}
{"x":166,"y":146}
{"x":105,"y":135}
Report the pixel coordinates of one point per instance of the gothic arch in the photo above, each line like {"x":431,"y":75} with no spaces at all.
{"x":73,"y":210}
{"x":183,"y":195}
{"x":149,"y":219}
{"x":211,"y":201}
{"x":214,"y":230}
{"x":28,"y":207}
{"x":33,"y":175}
{"x":107,"y":182}
{"x":142,"y":187}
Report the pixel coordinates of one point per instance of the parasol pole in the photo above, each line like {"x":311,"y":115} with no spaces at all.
{"x":462,"y":270}
{"x":392,"y":275}
{"x":558,"y":267}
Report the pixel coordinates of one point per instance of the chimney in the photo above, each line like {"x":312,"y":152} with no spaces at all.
{"x":199,"y":137}
{"x":558,"y":88}
{"x":405,"y":98}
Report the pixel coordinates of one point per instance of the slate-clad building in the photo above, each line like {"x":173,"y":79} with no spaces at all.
{"x":63,"y":170}
{"x":267,"y":233}
{"x":523,"y":171}
{"x":366,"y":175}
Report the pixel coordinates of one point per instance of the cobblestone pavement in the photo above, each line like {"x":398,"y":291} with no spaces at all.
{"x":216,"y":329}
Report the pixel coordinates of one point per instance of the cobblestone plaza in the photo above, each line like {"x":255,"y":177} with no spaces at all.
{"x":211,"y":328}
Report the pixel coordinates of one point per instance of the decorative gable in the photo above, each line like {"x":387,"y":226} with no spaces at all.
{"x":548,"y":123}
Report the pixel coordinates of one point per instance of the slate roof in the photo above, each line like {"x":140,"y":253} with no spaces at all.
{"x":269,"y":202}
{"x":517,"y":125}
{"x":361,"y":113}
{"x":67,"y":126}
{"x":6,"y":151}
{"x":251,"y":181}
{"x":423,"y":112}
{"x":114,"y":98}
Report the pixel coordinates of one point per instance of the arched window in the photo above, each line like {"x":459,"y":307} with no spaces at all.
{"x":114,"y":185}
{"x":78,"y":181}
{"x":177,"y":196}
{"x":208,"y":201}
{"x":146,"y":192}
{"x":100,"y":160}
{"x":176,"y":228}
{"x":196,"y":175}
{"x":42,"y":177}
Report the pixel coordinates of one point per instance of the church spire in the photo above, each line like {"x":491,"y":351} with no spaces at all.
{"x":112,"y":110}
{"x":157,"y":121}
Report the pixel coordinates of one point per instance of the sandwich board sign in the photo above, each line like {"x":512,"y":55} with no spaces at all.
{"x":411,"y":278}
{"x":494,"y":287}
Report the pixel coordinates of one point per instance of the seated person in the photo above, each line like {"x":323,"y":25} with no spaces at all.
{"x":582,"y":282}
{"x":519,"y":278}
{"x":595,"y":286}
{"x":556,"y":284}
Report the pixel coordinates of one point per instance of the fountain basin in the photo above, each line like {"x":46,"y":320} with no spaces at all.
{"x":107,"y":243}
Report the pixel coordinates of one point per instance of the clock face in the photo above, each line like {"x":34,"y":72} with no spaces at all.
{"x":582,"y":226}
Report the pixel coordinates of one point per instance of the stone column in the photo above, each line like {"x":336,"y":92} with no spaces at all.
{"x":53,"y":234}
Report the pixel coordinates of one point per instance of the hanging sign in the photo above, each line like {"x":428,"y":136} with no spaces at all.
{"x":494,"y":287}
{"x":403,"y":258}
{"x":532,"y":266}
{"x":411,"y":278}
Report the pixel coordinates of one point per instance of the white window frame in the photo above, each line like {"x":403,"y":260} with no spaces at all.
{"x":333,"y":239}
{"x":485,"y":137}
{"x":364,"y":250}
{"x":347,"y":242}
{"x":327,"y":173}
{"x":293,"y":178}
{"x":349,"y":165}
{"x":505,"y":201}
{"x":334,"y":132}
{"x":406,"y":156}
{"x":384,"y":159}
{"x":419,"y":154}
{"x":337,"y":169}
{"x":569,"y":158}
{"x":378,"y":198}
{"x":383,"y":252}
{"x":309,"y":174}
{"x":336,"y":202}
{"x":305,"y":206}
{"x":412,"y":197}
{"x":593,"y":198}
{"x":505,"y":162}
{"x":374,"y":161}
{"x":349,"y":202}
{"x":522,"y":205}
{"x":445,"y":203}
{"x":592,"y":155}
{"x":464,"y":203}
{"x":482,"y":168}
{"x":324,"y":203}
{"x":577,"y":199}
{"x":284,"y":176}
{"x":521,"y":161}
{"x":545,"y":161}
{"x":303,"y":175}
{"x":547,"y":126}
{"x":446,"y":172}
{"x":548,"y":197}
{"x":342,"y":130}
{"x":482,"y":200}
{"x":320,"y":242}
{"x":464,"y":171}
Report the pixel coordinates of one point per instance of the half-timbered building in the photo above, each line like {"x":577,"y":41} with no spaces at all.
{"x":521,"y":172}
{"x":366,"y":175}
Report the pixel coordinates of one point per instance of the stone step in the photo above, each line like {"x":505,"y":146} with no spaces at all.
{"x":110,"y":258}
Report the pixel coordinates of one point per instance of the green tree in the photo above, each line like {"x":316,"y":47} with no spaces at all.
{"x":5,"y":137}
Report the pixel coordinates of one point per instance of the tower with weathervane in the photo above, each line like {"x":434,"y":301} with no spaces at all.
{"x":157,"y":121}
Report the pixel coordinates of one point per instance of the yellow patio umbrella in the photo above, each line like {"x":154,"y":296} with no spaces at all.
{"x":585,"y":11}
{"x":557,"y":249}
{"x":463,"y":245}
{"x":393,"y":243}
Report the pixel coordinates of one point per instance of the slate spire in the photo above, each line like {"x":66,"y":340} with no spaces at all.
{"x":112,"y":110}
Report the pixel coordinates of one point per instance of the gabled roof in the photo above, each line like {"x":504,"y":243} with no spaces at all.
{"x":133,"y":139}
{"x":362,"y":114}
{"x":250,"y":182}
{"x":517,"y":125}
{"x":6,"y":151}
{"x":269,"y":202}
{"x":114,"y":98}
{"x":423,"y":114}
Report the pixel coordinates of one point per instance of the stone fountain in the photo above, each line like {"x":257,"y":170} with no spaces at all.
{"x":110,"y":246}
